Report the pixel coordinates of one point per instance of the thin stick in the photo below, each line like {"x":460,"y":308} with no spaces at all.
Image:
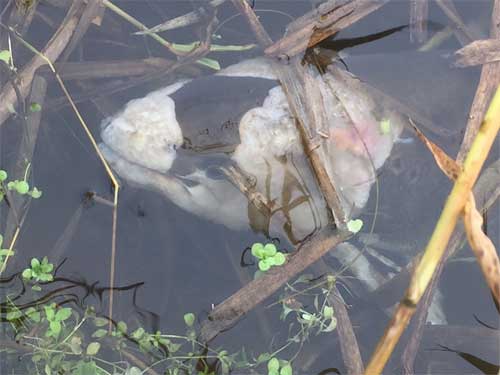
{"x":489,"y":80}
{"x":228,"y":312}
{"x":437,"y":244}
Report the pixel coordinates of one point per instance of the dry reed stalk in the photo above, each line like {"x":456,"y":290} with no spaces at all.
{"x":330,"y":19}
{"x":419,"y":12}
{"x":436,"y":246}
{"x":489,"y":80}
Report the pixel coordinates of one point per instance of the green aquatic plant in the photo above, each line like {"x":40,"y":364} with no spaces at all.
{"x":39,"y":271}
{"x":21,"y":187}
{"x":279,"y":367}
{"x":268,"y":256}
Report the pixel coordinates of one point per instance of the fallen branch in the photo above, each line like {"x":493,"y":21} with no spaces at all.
{"x":489,"y":80}
{"x":478,"y":52}
{"x":229,"y":311}
{"x":320,"y":24}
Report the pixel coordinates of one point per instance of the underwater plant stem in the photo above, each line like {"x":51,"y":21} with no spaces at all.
{"x":436,"y":246}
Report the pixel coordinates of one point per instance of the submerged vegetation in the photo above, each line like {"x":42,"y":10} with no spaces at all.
{"x":326,"y":138}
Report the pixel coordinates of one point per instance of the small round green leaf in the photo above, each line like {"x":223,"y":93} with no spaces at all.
{"x":63,"y":314}
{"x":122,"y":326}
{"x":22,"y":187}
{"x":101,"y":332}
{"x":189,"y":319}
{"x":5,"y":56}
{"x":93,"y":348}
{"x":35,"y":263}
{"x":264,"y":265}
{"x":35,"y":107}
{"x":258,"y":250}
{"x":279,"y":259}
{"x":273,"y":365}
{"x":286,"y":370}
{"x":35,"y":193}
{"x":100,"y":322}
{"x":354,"y":226}
{"x":328,"y":312}
{"x":55,"y":327}
{"x":3,"y":175}
{"x":27,"y":274}
{"x":270,"y":250}
{"x":385,"y":126}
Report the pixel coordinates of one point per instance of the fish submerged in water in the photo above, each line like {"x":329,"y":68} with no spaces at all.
{"x":172,"y":139}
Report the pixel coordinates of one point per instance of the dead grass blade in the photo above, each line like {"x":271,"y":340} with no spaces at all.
{"x":449,"y":166}
{"x":482,"y":247}
{"x":436,"y":246}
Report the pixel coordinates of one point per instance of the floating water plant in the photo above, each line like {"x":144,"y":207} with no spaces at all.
{"x":268,"y":256}
{"x":39,"y":271}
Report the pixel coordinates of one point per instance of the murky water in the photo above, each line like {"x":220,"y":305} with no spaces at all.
{"x":189,"y":264}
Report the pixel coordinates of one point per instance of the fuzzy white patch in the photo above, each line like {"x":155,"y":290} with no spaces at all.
{"x":146,"y":132}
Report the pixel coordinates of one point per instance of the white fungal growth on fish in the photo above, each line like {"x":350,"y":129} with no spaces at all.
{"x":146,"y":132}
{"x":141,"y":144}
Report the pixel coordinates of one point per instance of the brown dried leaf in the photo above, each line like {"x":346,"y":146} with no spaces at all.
{"x":483,"y":247}
{"x":449,"y":166}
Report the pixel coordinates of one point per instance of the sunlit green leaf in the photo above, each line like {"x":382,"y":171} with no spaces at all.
{"x":35,"y":107}
{"x":286,"y":370}
{"x":5,"y":56}
{"x":328,"y":312}
{"x":264,"y":265}
{"x":279,"y":259}
{"x":3,"y":175}
{"x":63,"y":314}
{"x":22,"y":187}
{"x":14,"y":314}
{"x":258,"y":250}
{"x":354,"y":226}
{"x":35,"y":193}
{"x":93,"y":348}
{"x":49,"y":312}
{"x":55,"y":327}
{"x":6,"y":252}
{"x":35,"y":263}
{"x":189,"y":319}
{"x":100,"y":333}
{"x":122,"y":326}
{"x":273,"y":365}
{"x":270,"y":250}
{"x":100,"y":322}
{"x":385,"y":126}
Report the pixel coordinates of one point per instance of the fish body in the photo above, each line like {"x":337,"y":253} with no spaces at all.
{"x":240,"y":117}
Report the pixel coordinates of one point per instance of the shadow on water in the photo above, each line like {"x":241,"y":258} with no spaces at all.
{"x":170,"y":262}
